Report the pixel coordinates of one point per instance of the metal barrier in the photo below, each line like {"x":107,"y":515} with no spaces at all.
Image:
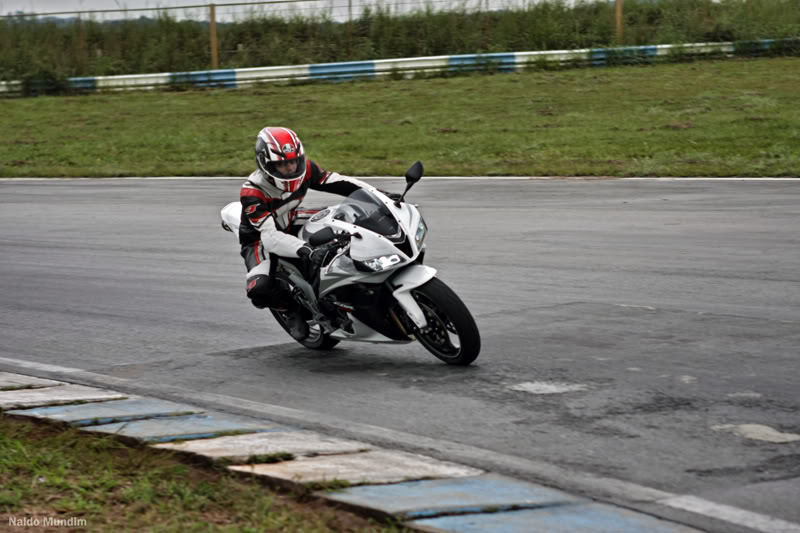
{"x":408,"y":67}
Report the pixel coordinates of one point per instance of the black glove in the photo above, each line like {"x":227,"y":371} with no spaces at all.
{"x":312,"y":257}
{"x":392,"y":195}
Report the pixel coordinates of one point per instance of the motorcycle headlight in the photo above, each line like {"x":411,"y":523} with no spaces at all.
{"x":422,"y":229}
{"x":377,"y":264}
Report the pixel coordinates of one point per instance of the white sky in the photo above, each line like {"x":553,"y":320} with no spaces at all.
{"x":338,"y":8}
{"x":223,"y":13}
{"x":44,"y":6}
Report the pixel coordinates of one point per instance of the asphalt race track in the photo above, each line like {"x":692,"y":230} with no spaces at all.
{"x":646,"y":331}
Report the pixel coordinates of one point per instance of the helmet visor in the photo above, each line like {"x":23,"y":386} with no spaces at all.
{"x":288,"y":173}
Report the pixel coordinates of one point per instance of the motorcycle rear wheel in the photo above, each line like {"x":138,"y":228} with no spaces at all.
{"x":452,"y":334}
{"x":316,"y":340}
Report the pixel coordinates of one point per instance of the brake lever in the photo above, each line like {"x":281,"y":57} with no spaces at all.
{"x":345,"y":238}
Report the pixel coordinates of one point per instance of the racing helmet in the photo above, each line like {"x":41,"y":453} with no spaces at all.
{"x":274,"y":148}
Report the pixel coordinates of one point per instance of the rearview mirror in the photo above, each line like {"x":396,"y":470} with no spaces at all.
{"x":414,"y":174}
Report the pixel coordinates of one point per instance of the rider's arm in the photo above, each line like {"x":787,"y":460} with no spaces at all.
{"x":256,"y":207}
{"x":278,"y":242}
{"x":333,"y":182}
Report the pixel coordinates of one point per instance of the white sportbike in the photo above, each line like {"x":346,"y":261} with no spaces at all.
{"x":372,"y":285}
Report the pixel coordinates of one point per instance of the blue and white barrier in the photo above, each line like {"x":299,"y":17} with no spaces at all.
{"x":405,"y":67}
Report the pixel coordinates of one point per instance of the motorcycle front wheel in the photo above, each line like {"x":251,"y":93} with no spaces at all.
{"x":316,"y":340}
{"x":451,"y":334}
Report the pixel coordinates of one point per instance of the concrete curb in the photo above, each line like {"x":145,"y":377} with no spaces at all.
{"x":423,"y":493}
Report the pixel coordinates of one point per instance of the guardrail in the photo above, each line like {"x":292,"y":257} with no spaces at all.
{"x":410,"y":67}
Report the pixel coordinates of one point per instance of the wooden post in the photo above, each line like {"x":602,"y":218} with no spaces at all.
{"x":213,"y":36}
{"x":620,"y":22}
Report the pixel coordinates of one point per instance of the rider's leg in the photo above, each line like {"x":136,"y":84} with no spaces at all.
{"x":265,"y":291}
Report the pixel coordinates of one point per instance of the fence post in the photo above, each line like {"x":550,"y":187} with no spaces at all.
{"x":620,"y":22}
{"x":213,"y":35}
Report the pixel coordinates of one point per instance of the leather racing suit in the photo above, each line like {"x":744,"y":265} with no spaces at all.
{"x":267,"y":216}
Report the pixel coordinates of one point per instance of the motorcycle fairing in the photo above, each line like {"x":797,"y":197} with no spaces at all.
{"x":406,"y":280}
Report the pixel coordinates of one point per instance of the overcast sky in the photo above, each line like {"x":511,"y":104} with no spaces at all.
{"x":340,"y":8}
{"x":44,"y":6}
{"x":304,"y":7}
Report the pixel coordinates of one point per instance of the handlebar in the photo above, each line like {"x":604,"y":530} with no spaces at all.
{"x":337,"y":241}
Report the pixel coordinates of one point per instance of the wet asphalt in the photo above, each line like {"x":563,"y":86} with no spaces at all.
{"x":662,"y":316}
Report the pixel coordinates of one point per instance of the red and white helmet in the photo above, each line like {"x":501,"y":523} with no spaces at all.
{"x":275,"y":147}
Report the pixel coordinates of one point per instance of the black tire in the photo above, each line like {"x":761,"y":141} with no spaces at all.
{"x":316,"y":340}
{"x":452,"y":334}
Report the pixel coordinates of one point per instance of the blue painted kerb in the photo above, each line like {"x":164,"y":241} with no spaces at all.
{"x":576,"y":518}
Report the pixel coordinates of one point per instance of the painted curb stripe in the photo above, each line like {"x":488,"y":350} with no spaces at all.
{"x":297,"y":443}
{"x":101,"y":413}
{"x":756,"y":521}
{"x":66,"y":394}
{"x":574,"y":518}
{"x":362,"y":468}
{"x":10,"y":381}
{"x":200,"y":426}
{"x":461,"y":495}
{"x":195,"y":436}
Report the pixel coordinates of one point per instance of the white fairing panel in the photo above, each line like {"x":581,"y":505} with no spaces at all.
{"x":363,"y":333}
{"x":411,"y":278}
{"x":370,"y":245}
{"x":232,"y":216}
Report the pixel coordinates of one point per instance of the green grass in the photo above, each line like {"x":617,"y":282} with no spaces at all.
{"x":738,"y":117}
{"x":48,"y":471}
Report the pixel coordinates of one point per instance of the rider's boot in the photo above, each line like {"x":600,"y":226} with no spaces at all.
{"x":284,"y":302}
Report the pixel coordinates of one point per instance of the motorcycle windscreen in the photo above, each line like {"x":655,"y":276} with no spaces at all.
{"x":365,"y":210}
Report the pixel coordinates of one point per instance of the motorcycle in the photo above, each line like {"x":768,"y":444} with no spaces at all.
{"x":373,"y":286}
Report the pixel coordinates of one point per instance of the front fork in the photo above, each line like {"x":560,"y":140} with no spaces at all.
{"x":305,"y":295}
{"x":407,"y":279}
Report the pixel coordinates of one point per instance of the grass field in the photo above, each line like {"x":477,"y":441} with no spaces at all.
{"x":738,"y":117}
{"x":101,"y":484}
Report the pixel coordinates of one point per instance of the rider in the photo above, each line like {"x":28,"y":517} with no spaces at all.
{"x":270,"y":198}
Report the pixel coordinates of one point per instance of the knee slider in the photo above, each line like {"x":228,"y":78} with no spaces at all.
{"x":259,"y":290}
